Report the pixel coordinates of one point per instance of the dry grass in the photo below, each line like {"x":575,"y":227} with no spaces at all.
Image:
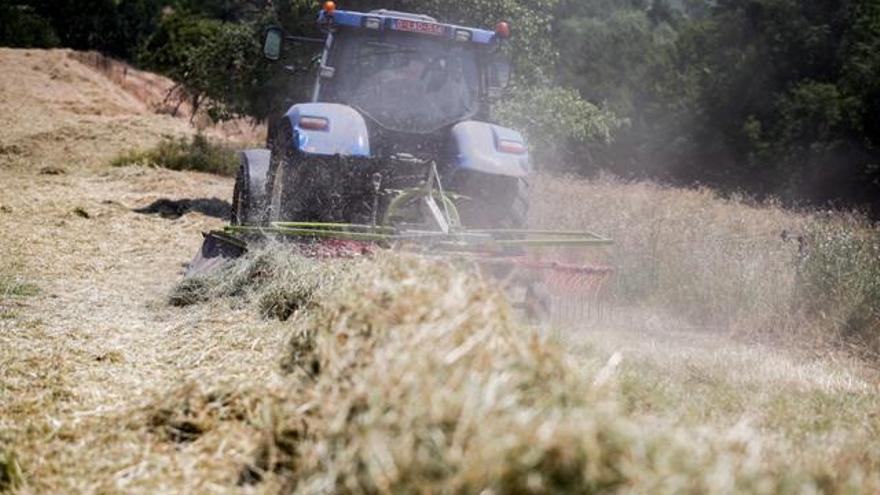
{"x":713,"y":261}
{"x":56,"y":110}
{"x":728,"y":264}
{"x":199,"y":154}
{"x":277,"y":277}
{"x":413,"y":376}
{"x":840,"y":279}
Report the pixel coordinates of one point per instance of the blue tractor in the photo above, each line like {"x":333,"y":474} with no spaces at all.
{"x":401,"y":100}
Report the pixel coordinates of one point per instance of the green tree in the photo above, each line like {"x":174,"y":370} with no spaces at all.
{"x":555,"y":121}
{"x":22,"y":27}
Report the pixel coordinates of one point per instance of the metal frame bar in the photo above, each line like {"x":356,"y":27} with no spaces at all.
{"x":464,"y":240}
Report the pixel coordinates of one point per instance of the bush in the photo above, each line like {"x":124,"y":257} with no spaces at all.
{"x":198,"y":154}
{"x":554,"y":119}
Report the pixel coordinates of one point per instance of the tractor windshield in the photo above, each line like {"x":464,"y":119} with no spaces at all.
{"x":406,"y":82}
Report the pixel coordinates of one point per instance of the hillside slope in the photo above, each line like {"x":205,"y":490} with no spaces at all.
{"x":106,"y":388}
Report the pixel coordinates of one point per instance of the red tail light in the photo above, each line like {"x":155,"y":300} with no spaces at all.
{"x":314,"y":123}
{"x":512,"y":147}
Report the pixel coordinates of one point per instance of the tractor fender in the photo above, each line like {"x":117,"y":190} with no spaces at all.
{"x":345,"y":132}
{"x":479,"y":148}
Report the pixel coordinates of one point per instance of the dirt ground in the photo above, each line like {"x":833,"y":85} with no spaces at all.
{"x":97,"y":343}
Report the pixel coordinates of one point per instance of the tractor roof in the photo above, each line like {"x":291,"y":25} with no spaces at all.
{"x":391,"y":20}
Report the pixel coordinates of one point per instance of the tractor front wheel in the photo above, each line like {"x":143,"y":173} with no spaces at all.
{"x":279,"y":184}
{"x":249,"y":200}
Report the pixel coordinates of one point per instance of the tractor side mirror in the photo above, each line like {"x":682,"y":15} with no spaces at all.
{"x":272,"y":44}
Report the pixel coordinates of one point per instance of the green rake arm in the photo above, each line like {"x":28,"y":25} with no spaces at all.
{"x":454,"y":240}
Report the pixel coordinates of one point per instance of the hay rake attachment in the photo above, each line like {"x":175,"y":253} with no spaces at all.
{"x":551,"y":275}
{"x":555,"y":275}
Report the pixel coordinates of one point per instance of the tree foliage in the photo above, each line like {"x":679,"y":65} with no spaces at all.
{"x":773,"y":97}
{"x":22,"y":26}
{"x":555,"y":120}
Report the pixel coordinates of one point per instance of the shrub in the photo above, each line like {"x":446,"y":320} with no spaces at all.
{"x":553,"y":119}
{"x":198,"y":154}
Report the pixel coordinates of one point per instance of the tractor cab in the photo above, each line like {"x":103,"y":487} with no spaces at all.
{"x":404,"y":72}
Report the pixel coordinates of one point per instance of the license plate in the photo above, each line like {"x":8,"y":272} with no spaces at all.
{"x":418,"y":27}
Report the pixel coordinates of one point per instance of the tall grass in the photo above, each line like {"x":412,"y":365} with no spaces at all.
{"x":726,"y":263}
{"x":198,"y":153}
{"x":840,"y":278}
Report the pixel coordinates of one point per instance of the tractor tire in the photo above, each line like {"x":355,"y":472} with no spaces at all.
{"x":249,"y":199}
{"x":302,"y":187}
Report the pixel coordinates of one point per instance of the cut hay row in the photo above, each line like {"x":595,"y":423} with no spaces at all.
{"x":410,"y":376}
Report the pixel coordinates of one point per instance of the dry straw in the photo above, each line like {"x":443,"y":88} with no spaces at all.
{"x":729,"y":264}
{"x":413,"y":376}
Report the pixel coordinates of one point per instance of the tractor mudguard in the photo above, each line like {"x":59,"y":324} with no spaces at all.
{"x":491,"y":149}
{"x":328,"y":129}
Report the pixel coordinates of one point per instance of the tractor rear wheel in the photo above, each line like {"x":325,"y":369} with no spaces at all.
{"x":494,"y":202}
{"x":306,"y":187}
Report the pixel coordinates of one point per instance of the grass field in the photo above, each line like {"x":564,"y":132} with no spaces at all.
{"x":737,"y":357}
